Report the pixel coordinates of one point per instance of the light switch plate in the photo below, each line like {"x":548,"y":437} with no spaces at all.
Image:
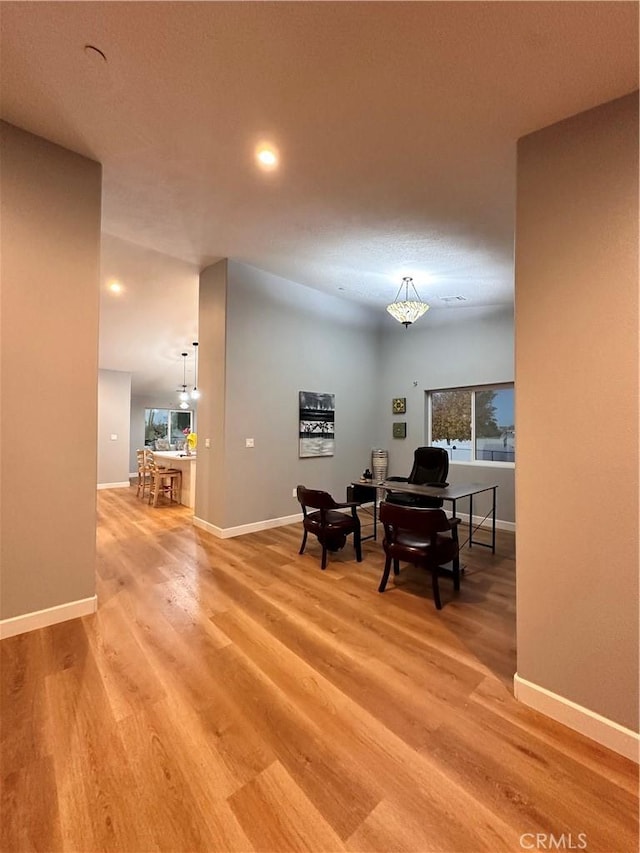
{"x":249,"y":442}
{"x":207,"y":442}
{"x":114,"y":436}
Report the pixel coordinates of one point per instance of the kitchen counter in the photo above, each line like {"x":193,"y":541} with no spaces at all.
{"x":186,"y":464}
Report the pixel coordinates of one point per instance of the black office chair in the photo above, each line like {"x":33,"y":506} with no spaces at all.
{"x":430,"y":468}
{"x":426,"y":538}
{"x":329,"y":524}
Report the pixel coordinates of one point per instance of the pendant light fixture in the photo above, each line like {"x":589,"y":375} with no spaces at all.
{"x":183,"y":395}
{"x":407,"y":310}
{"x":195,"y":394}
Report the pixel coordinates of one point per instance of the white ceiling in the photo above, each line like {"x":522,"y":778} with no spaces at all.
{"x":396,"y":124}
{"x":145,"y":327}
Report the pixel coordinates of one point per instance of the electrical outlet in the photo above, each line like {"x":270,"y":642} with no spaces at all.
{"x":207,"y":442}
{"x":248,"y":442}
{"x":294,"y":493}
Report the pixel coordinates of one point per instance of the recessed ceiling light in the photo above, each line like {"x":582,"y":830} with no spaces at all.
{"x":267,"y":157}
{"x":115,"y":287}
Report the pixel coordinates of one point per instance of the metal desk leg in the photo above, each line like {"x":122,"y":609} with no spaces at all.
{"x":493,"y":525}
{"x":470,"y":520}
{"x":375,"y":515}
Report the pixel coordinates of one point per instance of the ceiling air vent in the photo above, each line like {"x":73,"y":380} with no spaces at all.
{"x":450,"y":299}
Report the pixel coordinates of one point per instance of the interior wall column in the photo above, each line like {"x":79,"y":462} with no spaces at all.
{"x":577,"y":419}
{"x":50,"y":218}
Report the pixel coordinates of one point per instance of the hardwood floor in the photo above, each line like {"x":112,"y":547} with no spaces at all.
{"x":230,"y":696}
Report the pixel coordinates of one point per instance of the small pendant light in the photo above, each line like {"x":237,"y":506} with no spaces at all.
{"x":183,"y":396}
{"x":195,"y":394}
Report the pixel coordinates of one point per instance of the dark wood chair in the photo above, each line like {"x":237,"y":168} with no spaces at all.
{"x":430,"y":468}
{"x":424,"y":537}
{"x":327,"y":522}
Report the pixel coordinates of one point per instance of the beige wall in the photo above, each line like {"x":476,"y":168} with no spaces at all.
{"x":577,"y":409}
{"x":212,"y":349}
{"x":50,"y":234}
{"x":263,"y":339}
{"x":114,"y":419}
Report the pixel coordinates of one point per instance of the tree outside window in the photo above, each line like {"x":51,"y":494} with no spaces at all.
{"x":451,"y":416}
{"x":474,"y":424}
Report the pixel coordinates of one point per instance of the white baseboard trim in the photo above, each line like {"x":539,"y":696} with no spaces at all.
{"x":50,"y":616}
{"x":240,"y":530}
{"x":485,"y":523}
{"x":604,"y":731}
{"x":253,"y":527}
{"x":123,"y":485}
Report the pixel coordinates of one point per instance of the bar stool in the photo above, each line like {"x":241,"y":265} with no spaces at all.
{"x":164,"y":481}
{"x":144,"y":475}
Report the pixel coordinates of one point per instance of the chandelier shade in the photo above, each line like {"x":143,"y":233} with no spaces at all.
{"x":407,"y":310}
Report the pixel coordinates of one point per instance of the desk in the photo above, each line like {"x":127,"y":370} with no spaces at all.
{"x":187,"y":465}
{"x":448,"y":493}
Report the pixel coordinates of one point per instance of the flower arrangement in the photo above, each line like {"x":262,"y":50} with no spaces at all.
{"x":191,"y":440}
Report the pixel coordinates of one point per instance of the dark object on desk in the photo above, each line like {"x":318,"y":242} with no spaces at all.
{"x":367,"y":475}
{"x":360,"y":494}
{"x":327,"y":523}
{"x":416,"y":536}
{"x":430,"y":468}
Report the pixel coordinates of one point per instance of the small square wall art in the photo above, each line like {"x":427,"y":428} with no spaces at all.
{"x":400,"y":429}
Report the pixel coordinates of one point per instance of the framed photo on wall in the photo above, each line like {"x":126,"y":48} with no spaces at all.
{"x":316,"y":424}
{"x":399,"y":405}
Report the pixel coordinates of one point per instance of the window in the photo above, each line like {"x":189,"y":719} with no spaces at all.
{"x":473,"y":424}
{"x":166,"y":425}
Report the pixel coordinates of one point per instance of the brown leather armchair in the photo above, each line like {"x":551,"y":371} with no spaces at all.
{"x":327,"y":522}
{"x":418,"y":536}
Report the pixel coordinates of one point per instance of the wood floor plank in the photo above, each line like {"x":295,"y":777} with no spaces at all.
{"x":128,"y":680}
{"x":355,"y":735}
{"x":31,"y":789}
{"x":23,"y":734}
{"x":394,"y":826}
{"x":177,"y":800}
{"x":297,"y":827}
{"x":231,"y":696}
{"x":538,"y":728}
{"x":542,"y":795}
{"x":368,"y":673}
{"x":96,"y":789}
{"x":343,"y":794}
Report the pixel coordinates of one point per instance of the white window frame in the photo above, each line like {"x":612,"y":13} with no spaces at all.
{"x":479,"y":463}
